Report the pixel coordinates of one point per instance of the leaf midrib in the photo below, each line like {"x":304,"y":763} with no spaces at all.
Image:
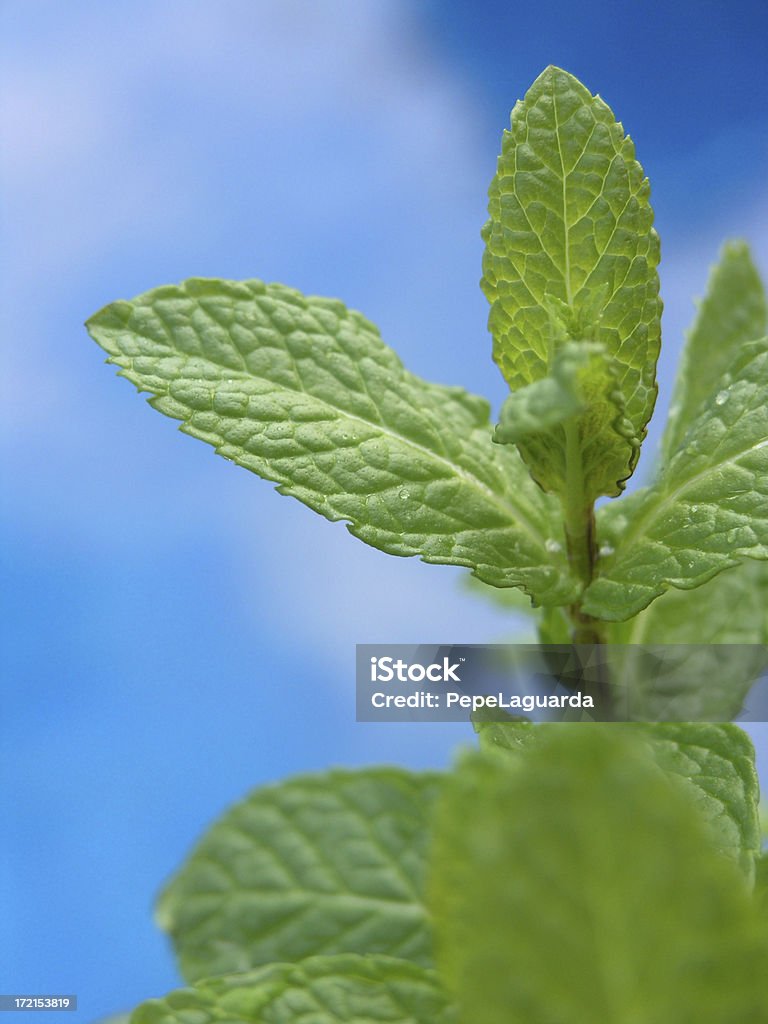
{"x":566,"y":229}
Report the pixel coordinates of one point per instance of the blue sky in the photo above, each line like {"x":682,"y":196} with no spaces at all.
{"x":174,"y":631}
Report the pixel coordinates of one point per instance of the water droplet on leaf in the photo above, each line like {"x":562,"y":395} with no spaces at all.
{"x":553,"y":547}
{"x":721,"y":398}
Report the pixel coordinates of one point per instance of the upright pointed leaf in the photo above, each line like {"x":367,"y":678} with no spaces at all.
{"x":321,"y":990}
{"x":706,"y":512}
{"x":571,"y":254}
{"x":302,"y":391}
{"x":330,"y":863}
{"x":577,"y":884}
{"x":733,"y":312}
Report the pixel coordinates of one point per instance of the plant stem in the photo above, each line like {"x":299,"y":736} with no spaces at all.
{"x":579,"y":517}
{"x":577,"y":509}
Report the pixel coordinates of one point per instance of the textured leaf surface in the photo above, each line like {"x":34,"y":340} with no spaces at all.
{"x":733,"y":312}
{"x":321,"y":990}
{"x":329,"y":863}
{"x":303,"y":392}
{"x":546,"y":402}
{"x":508,"y":598}
{"x":686,"y":682}
{"x":581,"y":390}
{"x":570,"y":251}
{"x":508,"y":737}
{"x":578,"y":884}
{"x":713,"y":763}
{"x":730,"y":609}
{"x":707,"y":511}
{"x":723,"y":627}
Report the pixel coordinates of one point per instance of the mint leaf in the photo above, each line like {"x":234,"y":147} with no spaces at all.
{"x":328,"y":863}
{"x":733,"y":312}
{"x":719,"y":630}
{"x":679,"y":682}
{"x":547,"y":402}
{"x":578,"y":884}
{"x":714,"y":764}
{"x":320,"y":990}
{"x":707,"y":511}
{"x":731,"y":609}
{"x":303,"y":392}
{"x":571,"y":254}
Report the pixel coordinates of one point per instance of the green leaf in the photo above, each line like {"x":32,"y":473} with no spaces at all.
{"x":571,"y":254}
{"x":507,"y":598}
{"x":513,"y":736}
{"x":706,"y":512}
{"x":733,"y":312}
{"x":582,"y":388}
{"x":547,"y":402}
{"x":686,"y":682}
{"x":714,"y":764}
{"x":320,"y":990}
{"x":720,"y":631}
{"x":329,"y":863}
{"x":578,"y":884}
{"x":730,"y":609}
{"x":303,"y":392}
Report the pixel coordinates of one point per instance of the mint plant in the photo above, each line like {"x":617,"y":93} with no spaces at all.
{"x":558,"y":874}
